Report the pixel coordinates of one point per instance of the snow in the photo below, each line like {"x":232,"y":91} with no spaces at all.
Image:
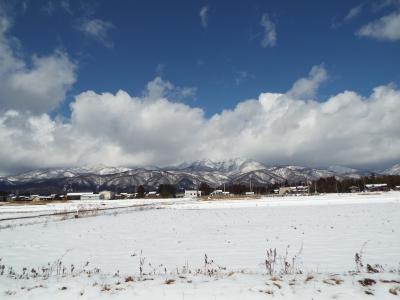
{"x":15,"y":211}
{"x":172,"y":235}
{"x":229,"y":167}
{"x":68,"y":172}
{"x":298,"y":173}
{"x":395,"y":170}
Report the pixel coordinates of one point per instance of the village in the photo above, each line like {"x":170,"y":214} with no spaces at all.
{"x":301,"y":190}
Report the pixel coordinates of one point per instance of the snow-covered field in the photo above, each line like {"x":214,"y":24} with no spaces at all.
{"x":204,"y":249}
{"x":19,"y":211}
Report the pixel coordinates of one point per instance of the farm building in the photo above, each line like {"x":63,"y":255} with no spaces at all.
{"x":13,"y":197}
{"x":42,"y":198}
{"x":90,"y":197}
{"x":217,"y":193}
{"x":377,"y":187}
{"x":83,"y":196}
{"x":293,"y":190}
{"x":125,"y":196}
{"x":192,"y":193}
{"x":152,"y":194}
{"x":106,"y":195}
{"x":354,"y":189}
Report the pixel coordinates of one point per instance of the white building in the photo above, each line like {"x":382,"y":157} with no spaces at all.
{"x":301,"y":189}
{"x":90,"y":197}
{"x":83,"y":196}
{"x":217,"y":193}
{"x":192,"y":193}
{"x":295,"y":190}
{"x":152,"y":194}
{"x":374,"y":187}
{"x":106,"y":195}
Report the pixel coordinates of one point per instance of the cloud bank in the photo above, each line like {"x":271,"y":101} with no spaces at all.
{"x":120,"y":129}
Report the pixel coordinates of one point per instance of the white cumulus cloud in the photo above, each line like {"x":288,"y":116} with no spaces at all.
{"x":151,"y":129}
{"x":38,"y":83}
{"x":307,"y":87}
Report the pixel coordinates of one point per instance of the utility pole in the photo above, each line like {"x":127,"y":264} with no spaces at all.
{"x":315,"y":187}
{"x":250,"y":184}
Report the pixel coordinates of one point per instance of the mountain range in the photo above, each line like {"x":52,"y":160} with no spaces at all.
{"x":186,"y":175}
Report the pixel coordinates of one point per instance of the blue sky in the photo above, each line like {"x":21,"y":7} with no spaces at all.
{"x":138,"y":83}
{"x":224,"y":60}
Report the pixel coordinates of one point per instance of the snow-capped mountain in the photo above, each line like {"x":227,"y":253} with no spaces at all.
{"x":297,"y":173}
{"x":67,"y":172}
{"x":395,"y":170}
{"x":227,"y":166}
{"x":257,"y":177}
{"x":187,"y":175}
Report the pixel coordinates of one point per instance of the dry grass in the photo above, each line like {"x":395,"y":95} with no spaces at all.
{"x":394,"y":291}
{"x":106,"y":288}
{"x":332,"y":281}
{"x":309,"y":277}
{"x":277,"y":285}
{"x":389,"y":281}
{"x":269,"y":292}
{"x":169,"y":281}
{"x":274,"y":278}
{"x":367,"y":282}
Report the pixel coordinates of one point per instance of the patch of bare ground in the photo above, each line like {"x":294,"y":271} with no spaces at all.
{"x":333,"y":281}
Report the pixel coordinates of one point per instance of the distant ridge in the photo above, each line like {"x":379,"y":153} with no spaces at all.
{"x":395,"y":170}
{"x":185,"y":175}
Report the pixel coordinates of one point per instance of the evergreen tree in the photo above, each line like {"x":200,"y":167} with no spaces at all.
{"x":167,"y":191}
{"x":141,"y":191}
{"x":205,"y":189}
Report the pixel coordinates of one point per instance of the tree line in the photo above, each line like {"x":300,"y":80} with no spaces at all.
{"x":322,"y":185}
{"x":332,"y":185}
